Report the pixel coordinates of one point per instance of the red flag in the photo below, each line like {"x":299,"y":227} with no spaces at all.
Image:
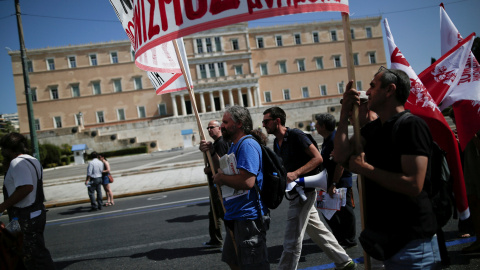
{"x":465,"y":96}
{"x":420,"y":103}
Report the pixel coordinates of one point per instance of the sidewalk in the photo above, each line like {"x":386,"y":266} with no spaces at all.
{"x":130,"y":183}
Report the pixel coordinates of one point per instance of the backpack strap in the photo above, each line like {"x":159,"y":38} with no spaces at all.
{"x":398,"y":122}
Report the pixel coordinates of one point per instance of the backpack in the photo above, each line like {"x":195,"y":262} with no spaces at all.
{"x":440,"y":197}
{"x":274,"y":177}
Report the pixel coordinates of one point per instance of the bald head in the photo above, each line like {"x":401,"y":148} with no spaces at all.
{"x":214,"y":129}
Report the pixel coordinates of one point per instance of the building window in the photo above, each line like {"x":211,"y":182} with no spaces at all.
{"x":93,"y":59}
{"x":305,"y":93}
{"x":132,"y":55}
{"x":221,"y":69}
{"x":162,"y":109}
{"x":117,"y":85}
{"x":211,"y":69}
{"x":37,"y":124}
{"x":50,"y":64}
{"x":355,"y":59}
{"x":286,"y":94}
{"x":352,"y":33}
{"x":57,"y":121}
{"x":100,"y":118}
{"x":121,"y":114}
{"x":218,"y":44}
{"x":113,"y":57}
{"x":368,"y":31}
{"x":203,"y":71}
{"x":340,"y":87}
{"x":96,"y":88}
{"x":235,"y":44}
{"x":29,"y":66}
{"x":372,"y":57}
{"x":259,"y":42}
{"x":199,"y":45}
{"x":316,"y":38}
{"x":268,"y":96}
{"x":319,"y":62}
{"x":323,"y":90}
{"x":137,"y":83}
{"x":337,"y":61}
{"x":34,"y":94}
{"x":279,"y":41}
{"x":75,"y":90}
{"x":333,"y":35}
{"x":238,"y":70}
{"x":301,"y":64}
{"x":298,"y":39}
{"x":282,"y":66}
{"x":72,"y":62}
{"x":141,"y":112}
{"x":208,"y":43}
{"x":263,"y":69}
{"x":78,"y":119}
{"x":359,"y":86}
{"x":53,"y":93}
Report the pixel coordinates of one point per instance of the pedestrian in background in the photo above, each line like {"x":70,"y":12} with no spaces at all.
{"x":106,"y":180}
{"x":94,"y":182}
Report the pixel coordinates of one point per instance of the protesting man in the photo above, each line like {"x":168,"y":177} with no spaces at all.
{"x":301,"y":158}
{"x":23,"y":197}
{"x":400,"y":224}
{"x":246,"y":216}
{"x":94,"y":182}
{"x":220,"y":148}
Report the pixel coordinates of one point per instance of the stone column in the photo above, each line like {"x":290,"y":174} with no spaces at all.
{"x":240,"y":99}
{"x":222,"y":102}
{"x":230,"y":97}
{"x":212,"y":102}
{"x":174,"y":105}
{"x":202,"y":103}
{"x":249,"y":97}
{"x":257,"y":96}
{"x":184,"y":108}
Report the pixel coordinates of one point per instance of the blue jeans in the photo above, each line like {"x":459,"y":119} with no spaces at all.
{"x":417,"y":254}
{"x":95,"y":185}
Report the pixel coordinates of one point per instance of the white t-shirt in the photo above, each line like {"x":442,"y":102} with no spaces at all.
{"x":21,"y":173}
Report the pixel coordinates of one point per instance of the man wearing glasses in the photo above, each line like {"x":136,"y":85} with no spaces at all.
{"x":301,"y":158}
{"x":399,"y":217}
{"x":220,"y":148}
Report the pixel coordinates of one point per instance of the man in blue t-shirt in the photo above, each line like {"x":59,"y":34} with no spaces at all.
{"x":245,"y":215}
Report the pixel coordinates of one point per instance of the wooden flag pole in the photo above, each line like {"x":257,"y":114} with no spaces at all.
{"x":200,"y":128}
{"x":210,"y":192}
{"x":356,"y":125}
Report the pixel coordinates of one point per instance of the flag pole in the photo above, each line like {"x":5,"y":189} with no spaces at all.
{"x":210,"y":192}
{"x":200,"y":128}
{"x":356,"y":125}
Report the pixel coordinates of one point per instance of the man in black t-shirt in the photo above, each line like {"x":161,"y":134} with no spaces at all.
{"x":220,"y":148}
{"x":397,"y":174}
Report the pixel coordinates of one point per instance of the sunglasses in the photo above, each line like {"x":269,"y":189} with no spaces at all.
{"x":384,"y":69}
{"x":210,"y":127}
{"x":266,"y":121}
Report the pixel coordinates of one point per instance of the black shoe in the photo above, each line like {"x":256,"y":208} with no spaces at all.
{"x":212,"y":244}
{"x":346,"y":245}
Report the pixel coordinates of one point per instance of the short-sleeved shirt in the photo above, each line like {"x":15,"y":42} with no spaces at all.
{"x":329,"y":164}
{"x":21,"y":173}
{"x":95,"y":168}
{"x":389,"y":211}
{"x":220,"y":146}
{"x":292,"y":150}
{"x":249,"y":158}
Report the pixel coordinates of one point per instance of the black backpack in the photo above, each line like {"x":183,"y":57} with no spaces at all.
{"x":441,"y":188}
{"x":274,"y":177}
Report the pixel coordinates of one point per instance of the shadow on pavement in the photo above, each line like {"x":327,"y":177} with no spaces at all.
{"x":187,"y":219}
{"x":75,"y":210}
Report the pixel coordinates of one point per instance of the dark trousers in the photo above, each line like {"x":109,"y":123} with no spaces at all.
{"x":215,"y":233}
{"x":95,"y":185}
{"x":342,"y":223}
{"x":35,"y":254}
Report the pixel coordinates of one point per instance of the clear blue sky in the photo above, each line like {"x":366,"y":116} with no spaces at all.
{"x":414,"y":25}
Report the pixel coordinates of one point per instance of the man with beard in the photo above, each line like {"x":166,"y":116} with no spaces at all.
{"x":301,"y":158}
{"x":245,"y":215}
{"x":23,"y":197}
{"x":220,"y":148}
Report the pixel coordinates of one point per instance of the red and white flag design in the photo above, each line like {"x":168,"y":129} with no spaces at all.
{"x":465,"y":95}
{"x":420,"y":103}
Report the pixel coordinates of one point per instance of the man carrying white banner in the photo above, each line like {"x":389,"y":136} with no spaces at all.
{"x":400,"y":223}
